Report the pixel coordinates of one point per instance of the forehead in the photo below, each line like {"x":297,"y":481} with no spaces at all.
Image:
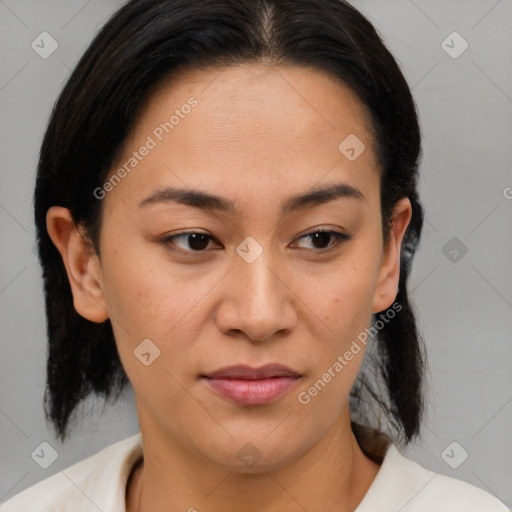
{"x":248,"y":129}
{"x":259,"y":99}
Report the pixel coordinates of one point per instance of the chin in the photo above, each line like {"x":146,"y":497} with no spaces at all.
{"x":248,"y":454}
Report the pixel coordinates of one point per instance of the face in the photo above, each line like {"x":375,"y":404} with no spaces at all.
{"x":255,"y":282}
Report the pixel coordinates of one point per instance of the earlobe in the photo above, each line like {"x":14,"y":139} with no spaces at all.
{"x":387,"y":287}
{"x":81,"y":262}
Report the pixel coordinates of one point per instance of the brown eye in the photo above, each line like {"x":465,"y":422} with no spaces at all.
{"x":321,"y":238}
{"x":194,"y":241}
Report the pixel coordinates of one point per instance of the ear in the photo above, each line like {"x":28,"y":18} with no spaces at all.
{"x":81,"y":262}
{"x":389,"y":274}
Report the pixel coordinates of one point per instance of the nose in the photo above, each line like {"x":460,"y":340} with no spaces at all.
{"x":257,"y":300}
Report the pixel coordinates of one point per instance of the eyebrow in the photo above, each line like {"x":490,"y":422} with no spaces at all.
{"x":212,"y":202}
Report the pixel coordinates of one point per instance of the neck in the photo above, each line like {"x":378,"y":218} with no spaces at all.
{"x":333,"y":475}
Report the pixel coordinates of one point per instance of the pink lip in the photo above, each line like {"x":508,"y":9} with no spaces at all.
{"x":252,"y":386}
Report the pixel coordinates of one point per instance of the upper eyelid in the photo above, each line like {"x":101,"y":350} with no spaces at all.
{"x":307,"y":233}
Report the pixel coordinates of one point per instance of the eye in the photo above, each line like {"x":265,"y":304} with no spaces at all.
{"x":321,"y":238}
{"x":195,"y":241}
{"x":198,"y":242}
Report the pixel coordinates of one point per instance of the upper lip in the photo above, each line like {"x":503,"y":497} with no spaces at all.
{"x":242,"y":371}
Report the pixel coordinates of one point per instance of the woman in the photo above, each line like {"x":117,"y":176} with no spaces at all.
{"x":227,"y":213}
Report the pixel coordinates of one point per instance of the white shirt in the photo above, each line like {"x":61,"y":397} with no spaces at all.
{"x":99,"y":483}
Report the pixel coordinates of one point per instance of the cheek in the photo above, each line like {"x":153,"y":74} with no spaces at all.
{"x":344,"y":305}
{"x":345,"y":295}
{"x":152,"y":297}
{"x":148,"y":301}
{"x":136,"y":290}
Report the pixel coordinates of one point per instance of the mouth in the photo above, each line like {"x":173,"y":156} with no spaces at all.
{"x":245,"y":385}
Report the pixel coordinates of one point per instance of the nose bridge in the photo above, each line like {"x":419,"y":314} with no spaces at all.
{"x":261,"y":301}
{"x":258,"y":283}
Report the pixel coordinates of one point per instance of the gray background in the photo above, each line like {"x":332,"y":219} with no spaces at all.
{"x":464,"y":303}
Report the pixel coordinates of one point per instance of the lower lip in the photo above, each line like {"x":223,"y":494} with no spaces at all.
{"x":252,"y":392}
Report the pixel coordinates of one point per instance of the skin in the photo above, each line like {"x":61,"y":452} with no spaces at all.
{"x":258,"y":135}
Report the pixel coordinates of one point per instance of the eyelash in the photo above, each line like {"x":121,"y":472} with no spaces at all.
{"x":339,"y":239}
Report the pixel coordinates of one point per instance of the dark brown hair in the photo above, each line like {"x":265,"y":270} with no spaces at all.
{"x":144,"y":43}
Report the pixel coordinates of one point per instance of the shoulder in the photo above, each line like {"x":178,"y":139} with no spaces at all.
{"x":95,"y":483}
{"x":451,"y":494}
{"x":403,"y":484}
